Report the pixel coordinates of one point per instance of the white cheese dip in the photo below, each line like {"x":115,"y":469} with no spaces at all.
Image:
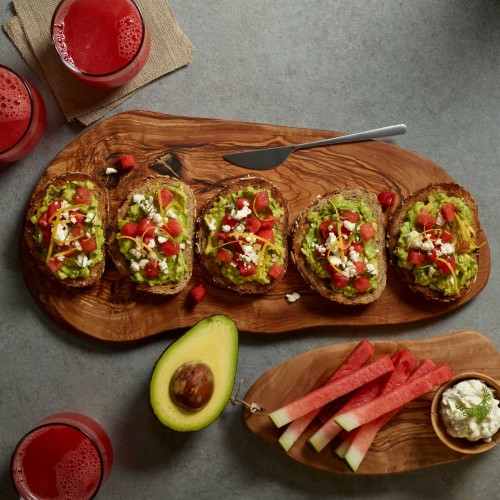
{"x":469,"y":394}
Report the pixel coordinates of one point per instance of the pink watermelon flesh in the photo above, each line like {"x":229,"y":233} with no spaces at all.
{"x":329,"y":392}
{"x":403,"y":360}
{"x":398,"y":397}
{"x":355,"y":447}
{"x":358,"y":357}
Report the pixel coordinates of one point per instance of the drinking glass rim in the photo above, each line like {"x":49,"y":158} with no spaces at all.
{"x":77,"y":70}
{"x":30,"y":95}
{"x":64,"y":424}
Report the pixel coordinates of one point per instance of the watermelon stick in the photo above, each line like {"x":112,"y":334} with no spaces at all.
{"x":425,"y":367}
{"x":398,"y":397}
{"x":329,"y":392}
{"x":404,"y":362}
{"x":358,"y":442}
{"x":358,"y":357}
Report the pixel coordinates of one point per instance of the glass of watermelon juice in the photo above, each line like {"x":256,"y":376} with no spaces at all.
{"x":104,"y":43}
{"x":22,"y":116}
{"x":66,"y":455}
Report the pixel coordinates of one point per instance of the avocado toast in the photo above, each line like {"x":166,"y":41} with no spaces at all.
{"x":432,"y":240}
{"x":242,"y":236}
{"x":65,"y":229}
{"x":151,"y":237}
{"x":338,"y":246}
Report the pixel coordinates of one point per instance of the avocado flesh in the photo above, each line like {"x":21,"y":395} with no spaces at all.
{"x":213,"y":341}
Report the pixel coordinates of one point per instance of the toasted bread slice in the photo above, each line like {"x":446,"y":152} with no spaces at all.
{"x":62,"y":244}
{"x":152,"y":266}
{"x":428,"y":243}
{"x":342,"y":275}
{"x":243,"y":245}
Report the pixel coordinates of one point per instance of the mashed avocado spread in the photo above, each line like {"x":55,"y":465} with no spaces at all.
{"x":68,"y":231}
{"x":340,"y":247}
{"x":154,"y":236}
{"x":437,"y":244}
{"x":243,"y":240}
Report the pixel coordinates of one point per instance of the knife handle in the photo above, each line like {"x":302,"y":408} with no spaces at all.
{"x":360,"y":136}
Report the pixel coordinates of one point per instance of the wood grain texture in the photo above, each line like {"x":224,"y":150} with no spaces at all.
{"x":408,"y":441}
{"x":191,"y":149}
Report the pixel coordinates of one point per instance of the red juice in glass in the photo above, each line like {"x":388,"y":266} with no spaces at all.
{"x":66,"y":456}
{"x":22,"y":116}
{"x":104,"y":43}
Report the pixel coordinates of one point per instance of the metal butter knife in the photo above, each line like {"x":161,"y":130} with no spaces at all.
{"x":267,"y":158}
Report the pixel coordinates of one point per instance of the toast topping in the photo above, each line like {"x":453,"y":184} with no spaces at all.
{"x":154,"y":234}
{"x":68,"y":231}
{"x":339,"y":246}
{"x":437,"y":244}
{"x":244,"y":242}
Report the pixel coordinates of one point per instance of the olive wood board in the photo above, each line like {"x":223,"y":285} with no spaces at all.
{"x":192,"y":149}
{"x":407,"y":441}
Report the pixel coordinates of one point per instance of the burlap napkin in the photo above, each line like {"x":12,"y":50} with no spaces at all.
{"x":29,"y":30}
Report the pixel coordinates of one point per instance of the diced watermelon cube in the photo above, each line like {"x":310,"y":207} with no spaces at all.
{"x":127,"y":161}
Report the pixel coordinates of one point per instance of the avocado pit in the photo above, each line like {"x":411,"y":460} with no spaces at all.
{"x":192,"y":385}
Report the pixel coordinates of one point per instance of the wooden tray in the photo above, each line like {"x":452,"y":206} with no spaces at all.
{"x":408,"y":441}
{"x":192,"y":149}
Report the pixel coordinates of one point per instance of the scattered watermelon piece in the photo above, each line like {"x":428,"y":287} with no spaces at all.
{"x":398,"y":397}
{"x":329,"y":392}
{"x":127,"y":161}
{"x":404,"y":362}
{"x":198,"y":292}
{"x":358,"y":442}
{"x":358,"y":357}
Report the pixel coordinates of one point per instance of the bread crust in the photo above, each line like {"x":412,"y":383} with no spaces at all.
{"x":203,"y":234}
{"x":398,"y":219}
{"x":322,"y":286}
{"x":29,"y":228}
{"x":147,"y":185}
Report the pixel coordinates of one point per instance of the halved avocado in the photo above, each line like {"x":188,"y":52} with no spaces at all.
{"x":213,"y":343}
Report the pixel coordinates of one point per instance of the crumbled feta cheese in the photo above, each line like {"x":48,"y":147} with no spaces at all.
{"x":157,"y":218}
{"x":134,"y":266}
{"x":111,"y":170}
{"x":212,"y":225}
{"x":350,"y":226}
{"x":226,"y":228}
{"x":82,"y":260}
{"x":447,"y":249}
{"x":61,"y":233}
{"x":370,"y":268}
{"x":350,"y":270}
{"x":138,"y":198}
{"x":292,"y":297}
{"x":161,"y":239}
{"x":89,"y":217}
{"x":353,"y":255}
{"x":171,"y":213}
{"x":241,"y":214}
{"x":136,"y":252}
{"x":143,"y":263}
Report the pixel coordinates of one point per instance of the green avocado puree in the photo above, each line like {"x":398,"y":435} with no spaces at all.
{"x":173,"y":267}
{"x":74,"y":266}
{"x":313,"y":239}
{"x":429,"y":275}
{"x":214,"y":220}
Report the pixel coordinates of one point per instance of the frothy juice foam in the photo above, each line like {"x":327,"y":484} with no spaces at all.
{"x":15,"y":109}
{"x":99,"y":37}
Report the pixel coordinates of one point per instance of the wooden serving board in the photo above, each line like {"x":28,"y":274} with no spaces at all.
{"x":408,"y":441}
{"x":192,"y":149}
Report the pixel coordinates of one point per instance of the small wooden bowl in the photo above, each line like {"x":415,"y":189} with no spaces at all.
{"x":462,"y":445}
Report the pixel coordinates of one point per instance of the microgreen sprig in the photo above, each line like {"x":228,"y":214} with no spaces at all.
{"x":480,"y":411}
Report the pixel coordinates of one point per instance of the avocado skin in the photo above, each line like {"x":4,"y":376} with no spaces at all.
{"x":214,"y":341}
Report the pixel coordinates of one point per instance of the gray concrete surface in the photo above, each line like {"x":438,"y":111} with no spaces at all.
{"x":336,"y":65}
